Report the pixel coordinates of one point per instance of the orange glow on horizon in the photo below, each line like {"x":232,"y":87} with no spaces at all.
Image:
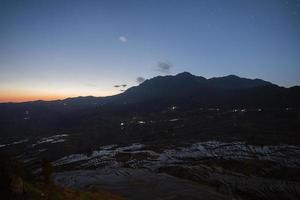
{"x":22,"y":96}
{"x":25,"y":98}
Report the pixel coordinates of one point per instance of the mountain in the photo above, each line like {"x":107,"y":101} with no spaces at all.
{"x":228,"y":91}
{"x":187,"y":89}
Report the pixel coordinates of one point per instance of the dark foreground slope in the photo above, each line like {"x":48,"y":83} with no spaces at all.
{"x":16,"y":183}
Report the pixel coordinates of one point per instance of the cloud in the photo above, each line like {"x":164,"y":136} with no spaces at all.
{"x":122,"y":85}
{"x":164,"y":67}
{"x":140,"y":79}
{"x":123,"y":39}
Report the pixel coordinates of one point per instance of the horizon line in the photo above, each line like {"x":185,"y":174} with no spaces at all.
{"x":62,"y":98}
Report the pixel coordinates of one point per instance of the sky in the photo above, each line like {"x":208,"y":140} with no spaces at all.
{"x":57,"y":49}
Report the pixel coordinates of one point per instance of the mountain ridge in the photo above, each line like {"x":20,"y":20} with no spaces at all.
{"x":184,"y":85}
{"x":231,"y":90}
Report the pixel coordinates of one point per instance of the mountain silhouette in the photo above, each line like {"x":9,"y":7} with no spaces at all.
{"x":230,"y":91}
{"x":188,"y":89}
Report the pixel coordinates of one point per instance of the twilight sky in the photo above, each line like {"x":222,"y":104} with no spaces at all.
{"x":57,"y":49}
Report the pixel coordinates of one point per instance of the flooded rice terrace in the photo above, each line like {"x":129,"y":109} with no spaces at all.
{"x":205,"y":170}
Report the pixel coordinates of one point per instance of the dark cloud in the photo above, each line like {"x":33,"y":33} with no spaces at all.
{"x":140,"y":79}
{"x":164,"y":67}
{"x":122,"y":85}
